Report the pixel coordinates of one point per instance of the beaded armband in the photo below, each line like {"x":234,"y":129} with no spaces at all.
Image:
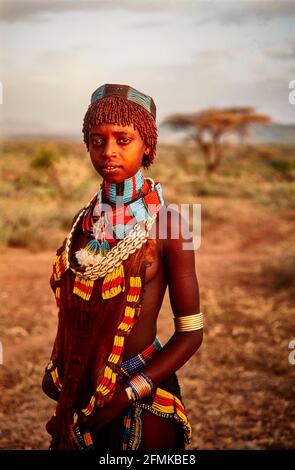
{"x":189,"y":322}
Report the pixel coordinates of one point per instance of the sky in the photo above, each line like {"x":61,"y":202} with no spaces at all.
{"x":187,"y":54}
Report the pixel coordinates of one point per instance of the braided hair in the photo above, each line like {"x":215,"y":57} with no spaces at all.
{"x":118,"y":110}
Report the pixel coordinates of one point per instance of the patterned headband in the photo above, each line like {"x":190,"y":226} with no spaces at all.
{"x":127,"y":92}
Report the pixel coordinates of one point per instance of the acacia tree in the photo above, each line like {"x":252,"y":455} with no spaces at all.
{"x":210,"y":128}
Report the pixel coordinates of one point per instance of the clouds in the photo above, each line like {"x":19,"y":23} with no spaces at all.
{"x":284,"y":51}
{"x":187,"y":54}
{"x":226,"y":11}
{"x":261,"y":10}
{"x":34,"y":10}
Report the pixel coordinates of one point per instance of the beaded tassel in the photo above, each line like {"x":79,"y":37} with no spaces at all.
{"x":59,"y":266}
{"x":132,"y":429}
{"x":90,"y":407}
{"x":127,"y":322}
{"x":57,"y":296}
{"x":127,"y":427}
{"x":81,"y":440}
{"x":134,"y":291}
{"x":56,"y":379}
{"x":93,"y":246}
{"x":101,"y":246}
{"x":109,"y":379}
{"x":113,"y":283}
{"x":88,"y":440}
{"x":111,"y":286}
{"x":83,"y":287}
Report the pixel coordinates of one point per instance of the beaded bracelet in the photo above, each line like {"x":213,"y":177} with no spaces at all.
{"x":134,"y":391}
{"x":150,"y":382}
{"x":141,"y":385}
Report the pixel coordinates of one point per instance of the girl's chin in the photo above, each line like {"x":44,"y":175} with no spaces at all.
{"x":111,"y":175}
{"x":112,"y":178}
{"x":116,"y":176}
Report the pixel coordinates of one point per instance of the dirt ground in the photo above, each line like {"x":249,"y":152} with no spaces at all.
{"x":238,"y":388}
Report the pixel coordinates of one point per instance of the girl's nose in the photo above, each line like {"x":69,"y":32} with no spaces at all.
{"x":109,"y":148}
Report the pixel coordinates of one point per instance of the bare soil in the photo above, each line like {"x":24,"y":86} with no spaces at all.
{"x":238,"y":388}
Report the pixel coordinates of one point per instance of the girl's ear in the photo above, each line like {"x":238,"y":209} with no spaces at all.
{"x":145,"y":157}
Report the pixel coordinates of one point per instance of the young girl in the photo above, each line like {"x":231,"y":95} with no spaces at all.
{"x":114,"y":383}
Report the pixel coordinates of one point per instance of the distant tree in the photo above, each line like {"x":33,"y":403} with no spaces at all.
{"x":210,"y":127}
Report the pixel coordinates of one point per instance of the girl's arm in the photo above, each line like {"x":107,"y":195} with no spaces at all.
{"x":183,"y":288}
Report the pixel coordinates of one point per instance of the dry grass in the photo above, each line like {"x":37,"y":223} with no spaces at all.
{"x":51,"y":181}
{"x":238,"y":388}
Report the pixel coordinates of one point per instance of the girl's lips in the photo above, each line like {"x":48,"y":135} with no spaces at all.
{"x":110,"y":169}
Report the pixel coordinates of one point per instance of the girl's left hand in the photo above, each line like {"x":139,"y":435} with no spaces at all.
{"x":103,"y":415}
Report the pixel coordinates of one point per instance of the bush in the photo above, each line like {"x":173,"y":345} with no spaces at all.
{"x":45,"y":157}
{"x":28,"y":225}
{"x":283,"y":165}
{"x":281,"y":272}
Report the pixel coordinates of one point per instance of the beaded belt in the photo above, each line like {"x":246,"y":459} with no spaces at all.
{"x":135,"y":364}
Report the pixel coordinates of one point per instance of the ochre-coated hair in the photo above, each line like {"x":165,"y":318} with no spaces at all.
{"x":123,"y":112}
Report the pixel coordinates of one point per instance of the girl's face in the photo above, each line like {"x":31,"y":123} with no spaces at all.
{"x":116,"y":151}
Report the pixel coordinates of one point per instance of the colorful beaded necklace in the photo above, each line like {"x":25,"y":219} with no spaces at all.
{"x":136,"y":197}
{"x":144,"y":200}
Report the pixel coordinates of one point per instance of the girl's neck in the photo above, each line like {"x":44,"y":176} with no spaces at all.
{"x":129,"y":189}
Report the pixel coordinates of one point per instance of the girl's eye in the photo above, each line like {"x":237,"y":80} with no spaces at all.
{"x":97,"y":141}
{"x":124,"y":140}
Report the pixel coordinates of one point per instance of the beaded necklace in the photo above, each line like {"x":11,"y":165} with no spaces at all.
{"x":143,"y":198}
{"x":98,"y":259}
{"x":105,"y":226}
{"x":129,"y":189}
